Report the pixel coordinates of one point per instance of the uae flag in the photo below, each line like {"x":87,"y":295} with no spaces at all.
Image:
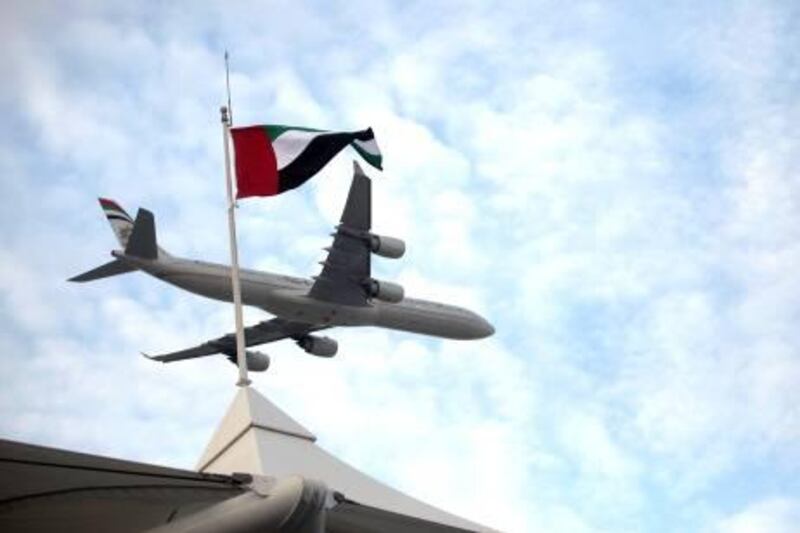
{"x":272,"y":159}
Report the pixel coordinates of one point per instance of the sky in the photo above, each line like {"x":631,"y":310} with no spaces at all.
{"x":614,"y":185}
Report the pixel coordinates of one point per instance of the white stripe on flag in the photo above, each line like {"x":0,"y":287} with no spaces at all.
{"x":369,"y":146}
{"x":290,"y":144}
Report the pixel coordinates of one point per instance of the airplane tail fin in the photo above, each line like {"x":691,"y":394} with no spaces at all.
{"x":121,"y":222}
{"x":142,"y":240}
{"x":138,"y":238}
{"x":123,"y":225}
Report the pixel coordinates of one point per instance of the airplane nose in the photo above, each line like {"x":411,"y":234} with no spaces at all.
{"x":483,"y":328}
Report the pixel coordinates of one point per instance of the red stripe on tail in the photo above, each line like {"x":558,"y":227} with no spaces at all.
{"x":105,"y":202}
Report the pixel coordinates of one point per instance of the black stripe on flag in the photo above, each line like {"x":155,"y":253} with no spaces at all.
{"x":316,"y":155}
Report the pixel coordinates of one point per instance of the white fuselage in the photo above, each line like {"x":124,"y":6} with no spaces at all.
{"x":287,"y":297}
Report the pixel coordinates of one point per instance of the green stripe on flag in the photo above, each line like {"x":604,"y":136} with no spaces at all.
{"x":375,"y":160}
{"x":276,"y":130}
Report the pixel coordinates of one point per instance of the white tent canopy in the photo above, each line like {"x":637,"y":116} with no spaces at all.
{"x":256,"y":437}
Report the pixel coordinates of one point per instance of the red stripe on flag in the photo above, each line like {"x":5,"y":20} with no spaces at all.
{"x":256,"y":166}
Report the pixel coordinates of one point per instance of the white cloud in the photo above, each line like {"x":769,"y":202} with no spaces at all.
{"x":776,"y":515}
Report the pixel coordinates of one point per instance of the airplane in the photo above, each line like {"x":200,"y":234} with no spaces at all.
{"x":343,"y":294}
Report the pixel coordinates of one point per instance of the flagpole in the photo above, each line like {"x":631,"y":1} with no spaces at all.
{"x":241,"y":357}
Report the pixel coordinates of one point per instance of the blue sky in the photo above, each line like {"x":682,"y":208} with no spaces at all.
{"x":613,"y":184}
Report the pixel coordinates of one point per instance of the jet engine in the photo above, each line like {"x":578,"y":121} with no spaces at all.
{"x":390,"y":247}
{"x":256,"y":361}
{"x":319,"y":346}
{"x":385,"y":290}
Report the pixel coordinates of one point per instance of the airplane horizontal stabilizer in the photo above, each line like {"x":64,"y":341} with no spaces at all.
{"x":112,"y":268}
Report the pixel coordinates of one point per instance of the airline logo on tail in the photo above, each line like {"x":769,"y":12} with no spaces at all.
{"x":121,"y":222}
{"x":138,"y":240}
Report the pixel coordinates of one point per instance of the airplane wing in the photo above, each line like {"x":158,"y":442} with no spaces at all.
{"x":348,"y":262}
{"x":262,"y":333}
